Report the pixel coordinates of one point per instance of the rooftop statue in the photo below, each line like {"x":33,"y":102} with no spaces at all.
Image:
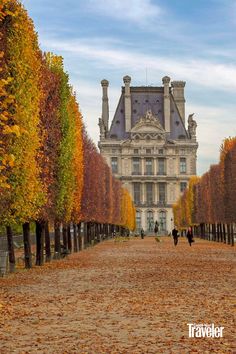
{"x":192,"y":125}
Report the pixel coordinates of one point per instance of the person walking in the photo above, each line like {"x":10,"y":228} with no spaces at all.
{"x":175,"y":235}
{"x":142,"y":233}
{"x":190,"y":236}
{"x":156,"y":228}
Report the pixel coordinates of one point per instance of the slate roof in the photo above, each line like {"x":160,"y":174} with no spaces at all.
{"x":144,"y":98}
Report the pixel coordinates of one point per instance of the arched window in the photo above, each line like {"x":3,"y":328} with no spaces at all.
{"x":150,"y":221}
{"x":138,"y":220}
{"x":162,"y":220}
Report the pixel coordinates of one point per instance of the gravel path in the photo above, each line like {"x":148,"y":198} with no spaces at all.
{"x":122,"y":297}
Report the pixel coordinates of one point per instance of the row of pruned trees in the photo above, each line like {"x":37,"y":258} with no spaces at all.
{"x":209,"y":202}
{"x":51,"y":172}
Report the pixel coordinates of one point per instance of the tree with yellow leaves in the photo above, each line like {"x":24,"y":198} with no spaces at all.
{"x":22,"y":200}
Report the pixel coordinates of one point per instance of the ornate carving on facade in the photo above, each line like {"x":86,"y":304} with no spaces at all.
{"x":171,"y":166}
{"x":102,"y":129}
{"x":149,"y":119}
{"x":146,"y":136}
{"x":148,"y":127}
{"x":192,"y":125}
{"x":178,"y":83}
{"x":166,"y":80}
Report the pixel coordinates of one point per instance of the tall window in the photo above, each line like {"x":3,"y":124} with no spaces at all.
{"x":138,"y":220}
{"x":162,"y":192}
{"x":149,"y":193}
{"x":183,"y":186}
{"x":162,"y":220}
{"x":149,"y":170}
{"x":114,"y":164}
{"x":137,"y":193}
{"x":150,"y":221}
{"x":161,"y":166}
{"x":136,"y":166}
{"x":183,"y":168}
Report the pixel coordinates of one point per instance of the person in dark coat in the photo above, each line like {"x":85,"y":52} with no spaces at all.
{"x":142,"y":233}
{"x":175,"y":234}
{"x":156,"y":228}
{"x":190,"y":236}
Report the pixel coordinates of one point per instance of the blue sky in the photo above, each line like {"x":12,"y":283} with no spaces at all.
{"x":190,"y":40}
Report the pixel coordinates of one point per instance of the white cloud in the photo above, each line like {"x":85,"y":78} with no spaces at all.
{"x":214,"y":125}
{"x":201,"y":72}
{"x":138,"y":11}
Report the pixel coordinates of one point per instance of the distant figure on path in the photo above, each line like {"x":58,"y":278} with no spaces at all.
{"x":175,"y":234}
{"x":190,"y":236}
{"x":156,"y":228}
{"x":142,"y":233}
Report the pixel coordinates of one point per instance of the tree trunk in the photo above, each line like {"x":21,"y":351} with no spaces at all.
{"x":88,"y":233}
{"x":228,"y":234}
{"x":75,"y":243}
{"x":218,"y":232}
{"x":79,"y":236}
{"x":221,"y":233}
{"x":69,"y":238}
{"x":47,"y":243}
{"x":11,"y":252}
{"x":39,"y":242}
{"x":27,"y":245}
{"x":57,"y":237}
{"x":85,"y":234}
{"x":232,"y":234}
{"x":65,"y":239}
{"x":224,"y":233}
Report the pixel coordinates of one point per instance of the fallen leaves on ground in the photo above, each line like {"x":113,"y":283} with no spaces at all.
{"x":122,"y":297}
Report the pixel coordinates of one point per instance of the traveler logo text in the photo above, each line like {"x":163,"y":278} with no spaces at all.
{"x":204,"y":330}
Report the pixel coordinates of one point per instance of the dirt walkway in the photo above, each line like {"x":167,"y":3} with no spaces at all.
{"x":128,"y":297}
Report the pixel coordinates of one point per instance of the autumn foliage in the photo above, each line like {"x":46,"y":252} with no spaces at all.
{"x":211,"y":199}
{"x":50,"y":169}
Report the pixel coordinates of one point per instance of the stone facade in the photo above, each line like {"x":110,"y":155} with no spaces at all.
{"x":149,"y":148}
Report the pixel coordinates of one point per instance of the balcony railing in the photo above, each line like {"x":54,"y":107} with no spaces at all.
{"x":161,"y":173}
{"x":148,"y":173}
{"x":136,"y":173}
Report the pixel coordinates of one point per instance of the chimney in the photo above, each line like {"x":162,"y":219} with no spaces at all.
{"x":166,"y":81}
{"x":178,"y":93}
{"x":105,"y":106}
{"x":127,"y":80}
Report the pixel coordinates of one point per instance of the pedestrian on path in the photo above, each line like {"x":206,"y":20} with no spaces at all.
{"x":142,"y":233}
{"x":190,"y":236}
{"x":175,"y":234}
{"x":156,"y":228}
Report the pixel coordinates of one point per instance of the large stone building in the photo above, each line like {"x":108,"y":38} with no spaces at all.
{"x":149,"y":148}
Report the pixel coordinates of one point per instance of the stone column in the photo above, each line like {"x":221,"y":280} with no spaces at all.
{"x":154,"y":166}
{"x":143,"y":197}
{"x":127,"y":80}
{"x":155,"y":193}
{"x":178,"y":93}
{"x":105,"y":106}
{"x":166,"y":81}
{"x":142,"y":166}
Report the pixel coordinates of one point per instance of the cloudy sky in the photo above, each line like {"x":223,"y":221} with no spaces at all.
{"x":190,"y":40}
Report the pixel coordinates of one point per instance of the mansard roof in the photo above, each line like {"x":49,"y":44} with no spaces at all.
{"x":146,"y":98}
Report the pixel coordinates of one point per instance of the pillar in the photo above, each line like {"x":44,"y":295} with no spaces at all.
{"x":166,"y":81}
{"x":105,"y":106}
{"x":127,"y":80}
{"x":178,"y":93}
